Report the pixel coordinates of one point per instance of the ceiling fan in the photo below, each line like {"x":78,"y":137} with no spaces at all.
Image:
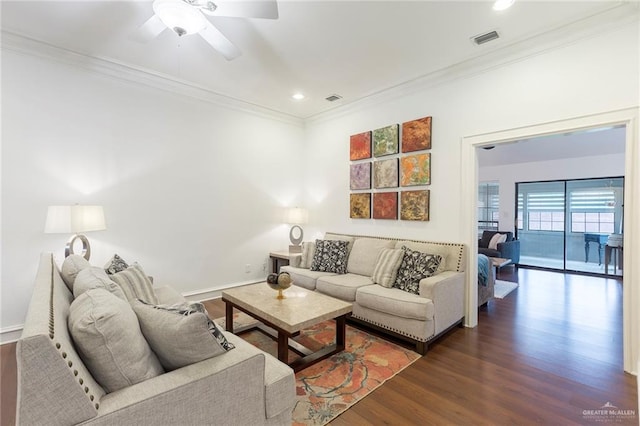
{"x":185,"y":17}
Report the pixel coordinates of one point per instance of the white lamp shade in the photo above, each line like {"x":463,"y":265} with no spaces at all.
{"x":74,"y":219}
{"x":297,"y":216}
{"x":178,"y":14}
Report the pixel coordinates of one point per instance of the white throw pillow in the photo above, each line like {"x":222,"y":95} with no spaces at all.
{"x":181,"y":334}
{"x":497,"y":239}
{"x":95,"y":277}
{"x":386,"y":269}
{"x":136,"y":284}
{"x":107,"y":334}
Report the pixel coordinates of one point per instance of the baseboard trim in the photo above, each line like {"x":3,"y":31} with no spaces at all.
{"x":214,"y":293}
{"x":10,"y":334}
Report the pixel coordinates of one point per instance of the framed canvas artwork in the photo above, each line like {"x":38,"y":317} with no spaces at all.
{"x":360,"y":176}
{"x":416,"y":135}
{"x":385,"y":141}
{"x":414,"y":205}
{"x":385,"y":205}
{"x":385,"y":173}
{"x":415,"y":170}
{"x":360,"y":206}
{"x":360,"y":146}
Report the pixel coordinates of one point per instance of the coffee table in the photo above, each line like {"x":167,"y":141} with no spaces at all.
{"x":300,"y":309}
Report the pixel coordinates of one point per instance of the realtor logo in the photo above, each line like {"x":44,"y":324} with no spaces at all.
{"x":609,"y":413}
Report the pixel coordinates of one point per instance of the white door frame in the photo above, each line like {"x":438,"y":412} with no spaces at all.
{"x":631,"y":289}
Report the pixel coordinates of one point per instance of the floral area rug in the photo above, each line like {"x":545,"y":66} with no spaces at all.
{"x":330,"y":387}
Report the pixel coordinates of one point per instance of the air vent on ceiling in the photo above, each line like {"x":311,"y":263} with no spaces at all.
{"x":333,"y":98}
{"x":486,"y":37}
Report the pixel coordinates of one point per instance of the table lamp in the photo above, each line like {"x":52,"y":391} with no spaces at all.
{"x":75,"y":220}
{"x":296,"y":217}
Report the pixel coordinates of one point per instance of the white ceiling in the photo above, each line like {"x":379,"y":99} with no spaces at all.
{"x":351,"y":48}
{"x":587,"y":143}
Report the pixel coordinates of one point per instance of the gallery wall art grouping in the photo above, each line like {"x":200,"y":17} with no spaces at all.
{"x":375,"y":181}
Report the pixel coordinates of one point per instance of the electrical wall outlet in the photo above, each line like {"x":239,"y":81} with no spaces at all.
{"x":247,"y":268}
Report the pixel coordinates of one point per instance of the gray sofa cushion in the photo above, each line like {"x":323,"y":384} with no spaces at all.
{"x":71,"y":266}
{"x":364,"y":255}
{"x":94,"y":277}
{"x":342,"y":286}
{"x":305,"y":277}
{"x":395,"y":302}
{"x":180,"y":335}
{"x":107,"y":334}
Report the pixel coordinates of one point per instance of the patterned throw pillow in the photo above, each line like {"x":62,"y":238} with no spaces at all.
{"x":330,"y":256}
{"x":386,"y":269}
{"x":115,"y":264}
{"x":180,"y":334}
{"x":136,"y":284}
{"x":414,"y":267}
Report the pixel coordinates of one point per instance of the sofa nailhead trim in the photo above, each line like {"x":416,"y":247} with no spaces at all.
{"x":52,"y":334}
{"x":420,"y":339}
{"x":460,"y":245}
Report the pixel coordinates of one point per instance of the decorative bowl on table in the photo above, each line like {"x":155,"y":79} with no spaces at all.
{"x":279,"y":282}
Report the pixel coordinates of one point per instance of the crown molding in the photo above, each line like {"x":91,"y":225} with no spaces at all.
{"x":121,"y":71}
{"x":615,"y":17}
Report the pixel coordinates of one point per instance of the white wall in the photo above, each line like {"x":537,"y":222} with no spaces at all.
{"x":568,"y":168}
{"x":191,"y":190}
{"x":594,"y":75}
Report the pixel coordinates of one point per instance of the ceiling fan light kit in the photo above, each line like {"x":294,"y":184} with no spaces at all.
{"x":181,"y":17}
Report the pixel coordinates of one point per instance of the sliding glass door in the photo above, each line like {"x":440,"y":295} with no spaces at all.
{"x":566,"y":224}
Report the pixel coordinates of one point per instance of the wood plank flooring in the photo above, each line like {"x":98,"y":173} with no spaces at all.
{"x":543,"y":355}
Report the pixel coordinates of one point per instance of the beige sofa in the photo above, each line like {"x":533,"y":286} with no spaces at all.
{"x":419,"y":318}
{"x":243,"y":386}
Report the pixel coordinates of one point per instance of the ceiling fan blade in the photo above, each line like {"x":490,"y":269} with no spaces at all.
{"x":218,"y":41}
{"x":266,"y":9}
{"x":149,"y":30}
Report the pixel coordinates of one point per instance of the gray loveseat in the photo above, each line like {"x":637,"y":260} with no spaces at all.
{"x":243,"y":386}
{"x":419,"y":318}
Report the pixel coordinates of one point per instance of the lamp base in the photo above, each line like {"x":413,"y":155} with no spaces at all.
{"x":295,"y":249}
{"x":86,"y":248}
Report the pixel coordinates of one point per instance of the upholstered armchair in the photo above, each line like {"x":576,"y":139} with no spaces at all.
{"x":509,"y":249}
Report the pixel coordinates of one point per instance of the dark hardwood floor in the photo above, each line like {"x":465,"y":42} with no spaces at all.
{"x":546,"y":354}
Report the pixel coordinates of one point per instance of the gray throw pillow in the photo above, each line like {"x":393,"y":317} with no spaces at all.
{"x":386,"y":268}
{"x":136,"y":284}
{"x":106,"y":332}
{"x":414,"y":267}
{"x":180,"y":334}
{"x":330,"y":256}
{"x":71,"y":266}
{"x":308,"y":250}
{"x":94,"y":277}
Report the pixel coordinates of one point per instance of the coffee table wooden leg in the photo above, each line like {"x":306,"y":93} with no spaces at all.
{"x":228,"y":317}
{"x":341,"y":322}
{"x":283,"y":347}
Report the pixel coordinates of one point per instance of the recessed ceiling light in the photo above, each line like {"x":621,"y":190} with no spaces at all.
{"x":502,"y":4}
{"x":297,"y":96}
